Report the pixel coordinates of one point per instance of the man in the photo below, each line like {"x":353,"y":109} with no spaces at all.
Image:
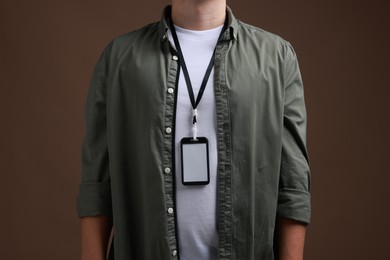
{"x":195,"y":144}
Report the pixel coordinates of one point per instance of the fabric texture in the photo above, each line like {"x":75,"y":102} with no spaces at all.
{"x":128,"y":153}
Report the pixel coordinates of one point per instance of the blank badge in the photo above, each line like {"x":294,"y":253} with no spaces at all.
{"x":195,"y":161}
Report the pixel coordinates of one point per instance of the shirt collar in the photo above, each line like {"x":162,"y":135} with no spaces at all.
{"x":229,"y":34}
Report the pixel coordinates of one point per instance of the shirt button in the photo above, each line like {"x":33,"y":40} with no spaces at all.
{"x":174,"y":252}
{"x":168,"y":130}
{"x":175,"y":57}
{"x":170,"y":90}
{"x":170,"y":210}
{"x":167,"y":170}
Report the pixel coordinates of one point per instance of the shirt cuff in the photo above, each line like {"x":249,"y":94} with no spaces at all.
{"x":295,"y":205}
{"x":94,"y":199}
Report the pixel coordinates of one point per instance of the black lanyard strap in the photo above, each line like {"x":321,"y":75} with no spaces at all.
{"x":182,"y":63}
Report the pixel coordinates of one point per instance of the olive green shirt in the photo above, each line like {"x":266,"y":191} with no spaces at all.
{"x":128,"y":151}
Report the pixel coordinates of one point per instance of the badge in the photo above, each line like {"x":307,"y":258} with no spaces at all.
{"x":195,"y":161}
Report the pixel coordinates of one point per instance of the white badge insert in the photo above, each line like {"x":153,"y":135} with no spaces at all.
{"x":195,"y":161}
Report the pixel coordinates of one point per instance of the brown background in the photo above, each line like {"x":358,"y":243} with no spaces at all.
{"x":47,"y":52}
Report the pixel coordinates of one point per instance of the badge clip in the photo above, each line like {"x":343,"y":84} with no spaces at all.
{"x":194,"y":126}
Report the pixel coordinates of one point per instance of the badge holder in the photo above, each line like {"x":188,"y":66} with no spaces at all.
{"x":195,"y":161}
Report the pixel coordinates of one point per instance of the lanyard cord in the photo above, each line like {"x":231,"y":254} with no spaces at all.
{"x":182,"y":63}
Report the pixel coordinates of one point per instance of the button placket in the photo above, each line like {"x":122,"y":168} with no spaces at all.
{"x":168,"y":146}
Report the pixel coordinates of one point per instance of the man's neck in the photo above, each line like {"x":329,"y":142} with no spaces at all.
{"x":198,"y":14}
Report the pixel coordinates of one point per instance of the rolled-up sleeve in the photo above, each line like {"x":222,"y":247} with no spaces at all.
{"x":94,"y":196}
{"x":294,"y":184}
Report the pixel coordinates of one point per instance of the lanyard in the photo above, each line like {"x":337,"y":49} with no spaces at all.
{"x":206,"y":77}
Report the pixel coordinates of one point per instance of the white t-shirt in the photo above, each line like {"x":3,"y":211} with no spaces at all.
{"x":196,"y":205}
